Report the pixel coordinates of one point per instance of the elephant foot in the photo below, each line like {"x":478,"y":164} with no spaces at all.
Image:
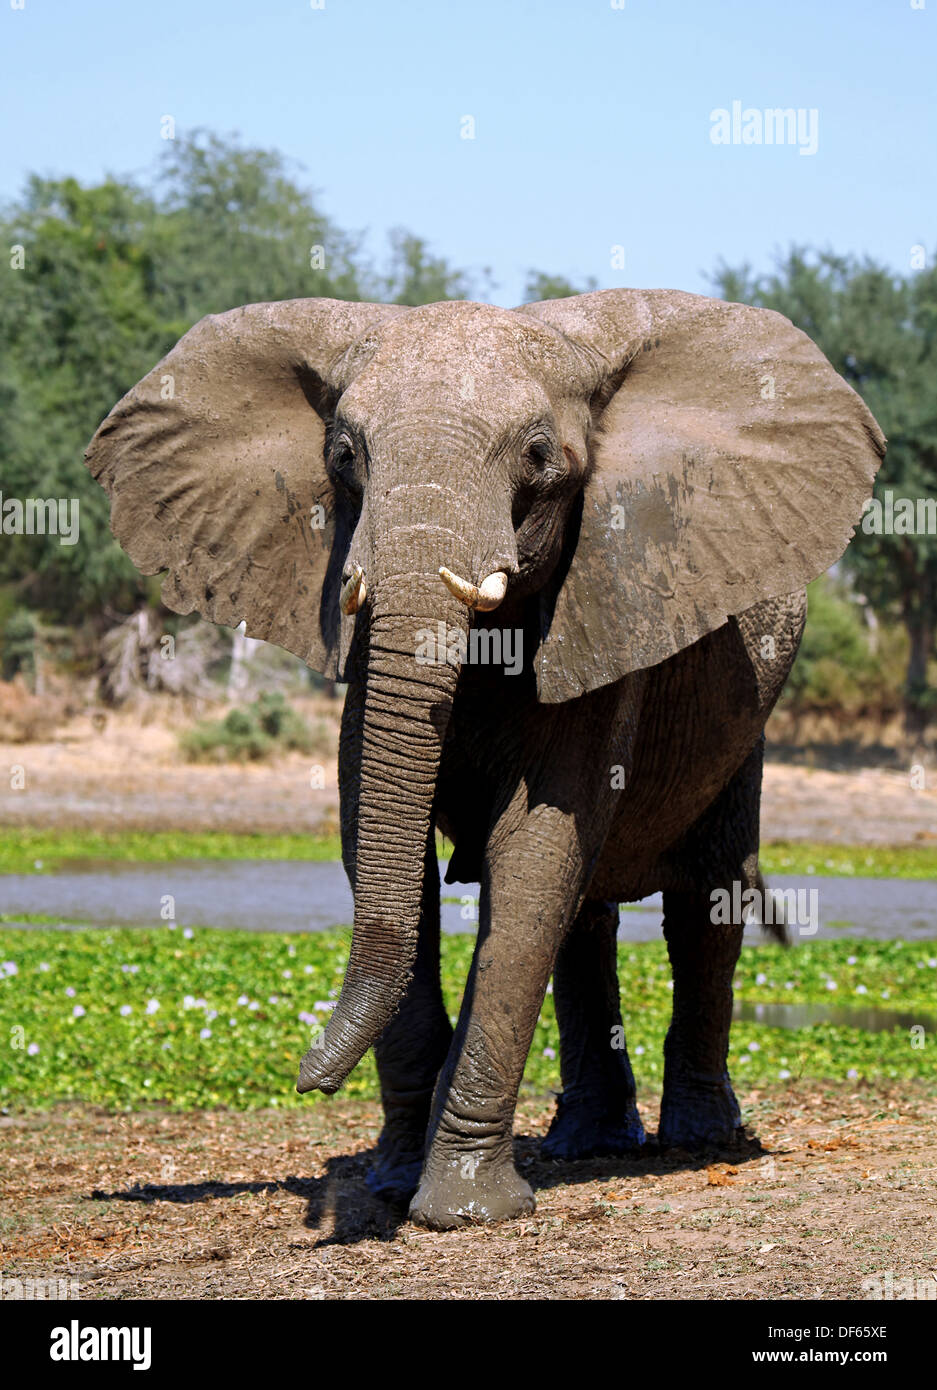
{"x":399,"y":1162}
{"x":590,"y":1129}
{"x":468,"y":1192}
{"x":700,"y":1113}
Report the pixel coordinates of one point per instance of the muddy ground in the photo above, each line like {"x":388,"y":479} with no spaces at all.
{"x":131,"y":776}
{"x":840,"y":1185}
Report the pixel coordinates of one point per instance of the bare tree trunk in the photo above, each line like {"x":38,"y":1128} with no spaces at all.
{"x":917,"y":706}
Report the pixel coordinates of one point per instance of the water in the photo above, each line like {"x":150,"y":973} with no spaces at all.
{"x":871,"y":1020}
{"x":272,"y":895}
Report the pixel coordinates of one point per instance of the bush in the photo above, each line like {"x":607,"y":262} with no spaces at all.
{"x":267,"y":726}
{"x":843,"y":666}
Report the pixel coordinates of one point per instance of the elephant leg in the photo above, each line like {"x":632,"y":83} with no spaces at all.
{"x":409,"y":1053}
{"x":469,"y":1173}
{"x":596,"y":1113}
{"x":698,"y":1108}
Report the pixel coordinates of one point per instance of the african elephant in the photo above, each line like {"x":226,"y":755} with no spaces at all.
{"x":631,"y":488}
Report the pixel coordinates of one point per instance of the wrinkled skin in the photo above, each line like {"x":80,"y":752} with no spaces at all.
{"x":620,"y":756}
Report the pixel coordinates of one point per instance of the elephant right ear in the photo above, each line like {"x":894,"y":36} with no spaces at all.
{"x":215,"y":466}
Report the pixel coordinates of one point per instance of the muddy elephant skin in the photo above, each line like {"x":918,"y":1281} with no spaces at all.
{"x":558,"y":553}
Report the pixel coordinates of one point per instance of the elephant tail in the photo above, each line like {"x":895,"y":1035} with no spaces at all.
{"x":773,"y":917}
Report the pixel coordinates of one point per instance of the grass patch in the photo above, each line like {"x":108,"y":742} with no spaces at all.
{"x":235,"y":1011}
{"x":796,"y":857}
{"x":44,"y":851}
{"x":26,"y":851}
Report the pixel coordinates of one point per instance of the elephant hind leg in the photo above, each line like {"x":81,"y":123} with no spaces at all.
{"x":596,"y":1113}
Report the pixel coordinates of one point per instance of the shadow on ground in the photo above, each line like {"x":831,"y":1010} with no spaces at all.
{"x":342,"y":1208}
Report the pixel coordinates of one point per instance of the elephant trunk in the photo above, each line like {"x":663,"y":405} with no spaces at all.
{"x":408,"y":702}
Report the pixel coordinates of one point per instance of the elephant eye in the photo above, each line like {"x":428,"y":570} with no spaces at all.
{"x":342,"y":466}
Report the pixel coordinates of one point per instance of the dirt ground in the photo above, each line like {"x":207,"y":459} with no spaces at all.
{"x":840,"y":1185}
{"x":130,"y":776}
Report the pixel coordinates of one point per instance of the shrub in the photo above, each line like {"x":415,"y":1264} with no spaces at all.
{"x":267,"y":726}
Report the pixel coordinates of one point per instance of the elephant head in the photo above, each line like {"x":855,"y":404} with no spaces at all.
{"x":639,"y":466}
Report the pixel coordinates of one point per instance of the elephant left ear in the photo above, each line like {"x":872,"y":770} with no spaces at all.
{"x":729,"y":464}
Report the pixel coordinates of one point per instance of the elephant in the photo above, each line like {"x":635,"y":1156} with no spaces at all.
{"x":631,"y":488}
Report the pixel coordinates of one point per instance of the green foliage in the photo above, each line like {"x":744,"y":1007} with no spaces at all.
{"x":235,"y":1011}
{"x":837,"y":669}
{"x":114,"y":274}
{"x":269,"y":725}
{"x":18,"y":645}
{"x":879,"y":331}
{"x":45,"y":851}
{"x":26,"y":851}
{"x":540,"y":285}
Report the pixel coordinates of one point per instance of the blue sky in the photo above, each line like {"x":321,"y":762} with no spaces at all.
{"x":592,"y":123}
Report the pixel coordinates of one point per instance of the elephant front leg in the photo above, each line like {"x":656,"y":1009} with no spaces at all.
{"x":596,"y":1113}
{"x":698,"y":1108}
{"x":469,"y":1173}
{"x":409,"y":1054}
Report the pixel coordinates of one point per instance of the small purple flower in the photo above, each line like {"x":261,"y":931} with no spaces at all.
{"x":8,"y":967}
{"x":274,"y":999}
{"x":549,"y":1052}
{"x":205,"y":1033}
{"x":44,"y":965}
{"x":78,"y":1011}
{"x":125,"y":1010}
{"x":287,"y":974}
{"x":188,"y":933}
{"x":243,"y":999}
{"x":309,"y":1019}
{"x":32,"y":1049}
{"x":70,"y":993}
{"x":152,"y":1005}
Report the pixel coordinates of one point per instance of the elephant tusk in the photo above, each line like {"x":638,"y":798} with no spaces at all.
{"x":354,"y":591}
{"x":487,"y":596}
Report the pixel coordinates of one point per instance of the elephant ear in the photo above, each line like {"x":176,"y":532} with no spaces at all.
{"x":729,"y":464}
{"x":215,"y":467}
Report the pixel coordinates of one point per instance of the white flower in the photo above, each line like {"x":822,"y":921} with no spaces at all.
{"x":188,"y":933}
{"x":287,"y":974}
{"x":211,"y":1015}
{"x":788,"y":984}
{"x":44,"y":965}
{"x":205,"y":1033}
{"x":32,"y":1049}
{"x":70,"y":992}
{"x":308,"y":969}
{"x":549,"y":1052}
{"x":78,"y":1011}
{"x":783,"y":1074}
{"x":886,"y":993}
{"x":754,"y":1047}
{"x":639,"y":1052}
{"x":243,"y":999}
{"x":151,"y":1006}
{"x":253,"y":1004}
{"x":744,"y":1058}
{"x":852,"y":1074}
{"x":861,"y":989}
{"x":761,"y":979}
{"x":8,"y":967}
{"x":188,"y":1001}
{"x":831,"y":984}
{"x":324,"y":1004}
{"x":274,"y":999}
{"x":851,"y":960}
{"x":125,"y":1009}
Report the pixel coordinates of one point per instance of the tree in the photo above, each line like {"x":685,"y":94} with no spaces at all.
{"x":880,"y":332}
{"x":541,"y":285}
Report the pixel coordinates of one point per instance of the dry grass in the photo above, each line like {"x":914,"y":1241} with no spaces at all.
{"x":273,"y":1205}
